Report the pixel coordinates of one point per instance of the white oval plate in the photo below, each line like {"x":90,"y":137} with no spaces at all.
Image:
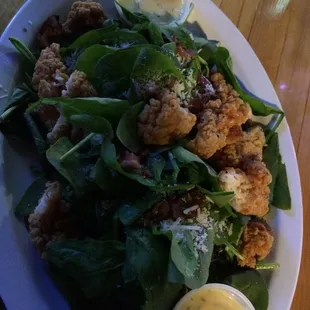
{"x":23,"y":281}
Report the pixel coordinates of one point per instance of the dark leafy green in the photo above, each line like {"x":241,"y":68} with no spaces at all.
{"x":96,"y":268}
{"x":111,"y":109}
{"x":124,"y":38}
{"x":127,"y":128}
{"x":89,"y":58}
{"x":23,"y":50}
{"x":30,"y":198}
{"x":92,"y":37}
{"x":279,"y":190}
{"x":92,"y":123}
{"x":151,"y":31}
{"x":156,"y":166}
{"x":131,"y":17}
{"x":131,"y":211}
{"x":108,"y":154}
{"x":70,"y":168}
{"x":253,"y":286}
{"x":219,"y":198}
{"x":180,"y":34}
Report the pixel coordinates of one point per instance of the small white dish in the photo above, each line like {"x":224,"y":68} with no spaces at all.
{"x":233,"y":293}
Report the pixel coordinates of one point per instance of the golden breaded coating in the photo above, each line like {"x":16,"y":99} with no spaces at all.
{"x":61,"y":129}
{"x":49,"y":76}
{"x":48,"y":222}
{"x":78,"y":86}
{"x":84,"y":15}
{"x":163,"y":121}
{"x":250,"y":187}
{"x":218,"y":118}
{"x":249,"y":146}
{"x":256,"y":243}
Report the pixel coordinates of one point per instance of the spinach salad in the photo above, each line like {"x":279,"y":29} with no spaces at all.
{"x":154,"y":178}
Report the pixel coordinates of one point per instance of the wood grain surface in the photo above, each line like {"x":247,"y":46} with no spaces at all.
{"x":279,"y":32}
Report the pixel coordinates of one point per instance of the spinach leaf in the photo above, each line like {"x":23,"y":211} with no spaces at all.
{"x":108,"y":154}
{"x":189,"y":265}
{"x":279,"y":190}
{"x":154,"y":66}
{"x":89,"y":58}
{"x":131,"y":17}
{"x":24,"y":50}
{"x":124,"y":38}
{"x":221,"y":58}
{"x":92,"y":37}
{"x":186,"y":157}
{"x":201,"y":43}
{"x":131,"y":211}
{"x":145,"y":252}
{"x":92,"y":123}
{"x":127,"y":128}
{"x":180,"y":34}
{"x":219,"y":198}
{"x":253,"y":286}
{"x":111,"y":109}
{"x":95,"y":265}
{"x":114,"y":77}
{"x":18,"y":97}
{"x":70,"y":168}
{"x":156,"y":166}
{"x":30,"y":198}
{"x":150,"y":31}
{"x":281,"y":195}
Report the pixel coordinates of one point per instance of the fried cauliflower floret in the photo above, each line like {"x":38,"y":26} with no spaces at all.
{"x":50,"y":73}
{"x":248,"y":146}
{"x":250,"y":187}
{"x":61,"y":129}
{"x":163,"y":121}
{"x":256,"y":243}
{"x":78,"y":86}
{"x":84,"y":15}
{"x":49,"y":221}
{"x":219,"y":120}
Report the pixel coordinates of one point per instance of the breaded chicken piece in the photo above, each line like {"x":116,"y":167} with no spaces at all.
{"x":163,"y":121}
{"x":250,"y":187}
{"x":49,"y":221}
{"x":83,"y":16}
{"x":256,"y":243}
{"x":248,"y":146}
{"x":219,"y":119}
{"x":49,"y":76}
{"x":78,"y":86}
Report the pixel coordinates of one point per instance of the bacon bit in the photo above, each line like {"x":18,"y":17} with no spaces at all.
{"x":130,"y":161}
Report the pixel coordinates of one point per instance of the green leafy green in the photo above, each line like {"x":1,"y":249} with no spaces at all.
{"x":23,"y":50}
{"x":70,"y":168}
{"x":111,"y":109}
{"x":151,"y":31}
{"x":92,"y":37}
{"x":138,"y":65}
{"x":219,"y":198}
{"x":95,"y":265}
{"x":124,"y":38}
{"x":92,"y":123}
{"x":30,"y":198}
{"x":127,"y":128}
{"x":18,"y":97}
{"x":89,"y":58}
{"x":131,"y":211}
{"x":131,"y":17}
{"x":253,"y":286}
{"x":156,"y":166}
{"x":279,"y":190}
{"x":180,"y":34}
{"x":186,"y":157}
{"x":108,"y":154}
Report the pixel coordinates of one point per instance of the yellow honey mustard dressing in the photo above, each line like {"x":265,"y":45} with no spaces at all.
{"x":161,"y":7}
{"x":209,"y":299}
